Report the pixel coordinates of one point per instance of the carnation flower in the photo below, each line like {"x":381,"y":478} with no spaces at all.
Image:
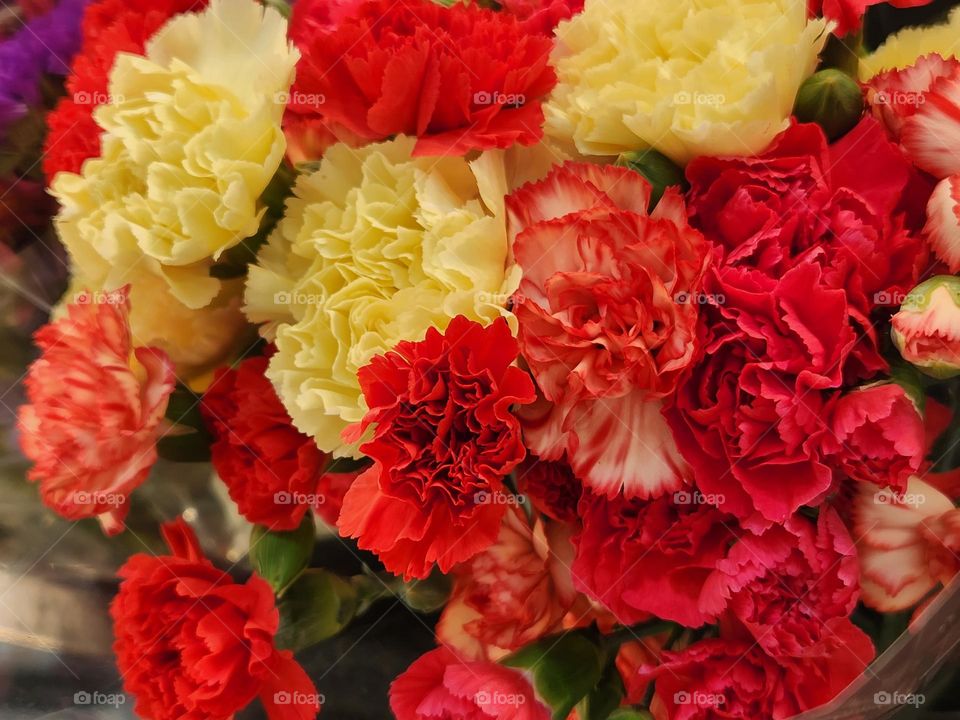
{"x":92,"y":418}
{"x":908,"y":543}
{"x":176,"y":187}
{"x":926,"y":329}
{"x":514,"y":592}
{"x":375,"y":248}
{"x":109,"y":27}
{"x":607,"y":319}
{"x":642,"y":557}
{"x":271,"y":470}
{"x":903,"y":48}
{"x":732,"y":677}
{"x":542,"y":15}
{"x":877,"y":435}
{"x":439,"y":684}
{"x":717,"y":80}
{"x":459,"y":78}
{"x":943,"y":222}
{"x":445,"y":438}
{"x":793,"y":587}
{"x":852,"y":207}
{"x":847,"y":15}
{"x":192,"y":643}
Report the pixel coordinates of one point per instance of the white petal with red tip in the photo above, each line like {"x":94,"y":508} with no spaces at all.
{"x":943,"y":221}
{"x":931,"y":136}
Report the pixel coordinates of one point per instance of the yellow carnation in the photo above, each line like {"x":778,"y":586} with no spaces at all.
{"x":902,"y":49}
{"x":376,"y":247}
{"x":191,"y":139}
{"x":687,"y":77}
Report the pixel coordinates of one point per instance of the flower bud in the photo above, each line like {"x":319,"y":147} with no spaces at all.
{"x":926,"y":330}
{"x":659,"y":170}
{"x":832,"y":99}
{"x":280,"y":557}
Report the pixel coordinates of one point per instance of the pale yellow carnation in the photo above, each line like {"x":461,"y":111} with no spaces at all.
{"x":375,"y":247}
{"x":687,"y":77}
{"x":902,"y":49}
{"x":191,"y":139}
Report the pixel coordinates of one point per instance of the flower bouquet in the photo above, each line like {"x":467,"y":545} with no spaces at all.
{"x":616,"y":339}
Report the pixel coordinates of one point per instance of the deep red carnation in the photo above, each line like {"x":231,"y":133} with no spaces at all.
{"x":749,"y":418}
{"x":109,"y":27}
{"x":643,"y":557}
{"x":793,"y":587}
{"x":853,"y":208}
{"x":441,"y":685}
{"x":460,"y":78}
{"x":608,"y":308}
{"x":551,"y":486}
{"x":192,"y":644}
{"x":720,"y":678}
{"x":445,"y":438}
{"x":271,"y":469}
{"x":877,"y":435}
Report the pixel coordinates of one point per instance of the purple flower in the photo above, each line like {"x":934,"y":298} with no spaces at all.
{"x":41,"y":46}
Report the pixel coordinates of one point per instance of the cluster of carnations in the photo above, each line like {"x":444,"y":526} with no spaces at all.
{"x":583,"y":307}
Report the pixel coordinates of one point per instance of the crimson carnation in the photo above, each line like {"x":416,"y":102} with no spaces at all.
{"x":853,"y":207}
{"x":608,"y":312}
{"x":642,"y":557}
{"x":192,"y":643}
{"x":542,"y":15}
{"x":270,"y":468}
{"x":442,"y":685}
{"x":460,"y":78}
{"x":877,"y":436}
{"x":445,"y":438}
{"x":109,"y":27}
{"x":551,"y":486}
{"x":793,"y":587}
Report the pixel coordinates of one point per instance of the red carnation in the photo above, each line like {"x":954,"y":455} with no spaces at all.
{"x":441,"y":685}
{"x":460,"y":78}
{"x":542,"y":15}
{"x":271,"y":469}
{"x":793,"y":587}
{"x":878,"y":435}
{"x":854,"y":207}
{"x":639,"y":557}
{"x":193,"y":644}
{"x":608,"y":310}
{"x":109,"y":27}
{"x":445,"y":438}
{"x":848,"y":14}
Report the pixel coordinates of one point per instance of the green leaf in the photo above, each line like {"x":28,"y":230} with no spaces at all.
{"x":565,"y":669}
{"x":605,"y":697}
{"x":188,"y":439}
{"x":631,"y":714}
{"x":280,"y":557}
{"x":316,"y":607}
{"x":659,"y":170}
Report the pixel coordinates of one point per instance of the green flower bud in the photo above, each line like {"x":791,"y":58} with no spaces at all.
{"x":832,"y":99}
{"x":659,"y":170}
{"x":926,"y":331}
